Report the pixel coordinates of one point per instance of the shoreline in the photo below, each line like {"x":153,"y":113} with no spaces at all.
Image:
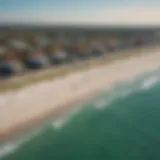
{"x":21,"y":81}
{"x":81,"y":86}
{"x":17,"y":130}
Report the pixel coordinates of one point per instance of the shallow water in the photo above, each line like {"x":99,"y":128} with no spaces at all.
{"x":120,"y":124}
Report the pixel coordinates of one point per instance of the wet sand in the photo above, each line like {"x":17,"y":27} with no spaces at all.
{"x":34,"y":104}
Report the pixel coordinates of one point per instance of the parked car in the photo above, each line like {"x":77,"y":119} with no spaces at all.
{"x":58,"y":57}
{"x":36,"y":61}
{"x":9,"y":63}
{"x":97,"y":49}
{"x":10,"y":67}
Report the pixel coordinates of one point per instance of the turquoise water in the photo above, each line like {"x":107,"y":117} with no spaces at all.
{"x":120,"y":124}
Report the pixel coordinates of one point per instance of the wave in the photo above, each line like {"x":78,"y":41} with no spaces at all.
{"x":11,"y":147}
{"x":118,"y":91}
{"x":59,"y":123}
{"x":123,"y":89}
{"x":8,"y":149}
{"x":149,"y":83}
{"x":64,"y":120}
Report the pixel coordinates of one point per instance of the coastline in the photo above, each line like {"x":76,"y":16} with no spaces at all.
{"x":21,"y":81}
{"x":83,"y":85}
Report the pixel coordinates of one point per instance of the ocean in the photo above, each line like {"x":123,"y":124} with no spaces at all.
{"x":122,"y":123}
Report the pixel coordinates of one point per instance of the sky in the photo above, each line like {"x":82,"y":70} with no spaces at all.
{"x":98,"y":12}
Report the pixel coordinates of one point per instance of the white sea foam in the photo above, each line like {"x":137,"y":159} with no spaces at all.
{"x":59,"y":123}
{"x":149,"y":83}
{"x":11,"y":147}
{"x":122,"y":91}
{"x":100,"y":76}
{"x":62,"y":121}
{"x":7,"y":149}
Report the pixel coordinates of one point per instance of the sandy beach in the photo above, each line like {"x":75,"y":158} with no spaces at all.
{"x":31,"y":105}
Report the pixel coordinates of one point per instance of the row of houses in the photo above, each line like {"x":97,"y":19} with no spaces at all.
{"x":23,"y":51}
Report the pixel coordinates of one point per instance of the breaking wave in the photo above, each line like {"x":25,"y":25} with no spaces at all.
{"x":105,"y":99}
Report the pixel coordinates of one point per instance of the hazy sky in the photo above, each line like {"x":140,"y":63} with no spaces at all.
{"x":123,"y":12}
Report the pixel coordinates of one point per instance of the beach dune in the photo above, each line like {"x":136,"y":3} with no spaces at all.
{"x":22,"y":108}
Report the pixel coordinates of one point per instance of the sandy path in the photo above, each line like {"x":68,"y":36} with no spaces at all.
{"x":22,"y":106}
